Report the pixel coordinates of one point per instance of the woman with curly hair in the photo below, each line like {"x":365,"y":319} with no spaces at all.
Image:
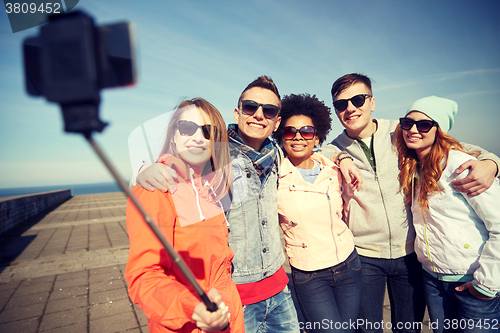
{"x":457,"y":235}
{"x":326,"y":269}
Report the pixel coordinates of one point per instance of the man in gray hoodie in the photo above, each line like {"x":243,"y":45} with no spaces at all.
{"x":377,"y":216}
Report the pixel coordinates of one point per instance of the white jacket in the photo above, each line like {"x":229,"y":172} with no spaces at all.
{"x":460,"y":234}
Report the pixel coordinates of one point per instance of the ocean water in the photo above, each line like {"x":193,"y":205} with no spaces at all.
{"x":76,"y":189}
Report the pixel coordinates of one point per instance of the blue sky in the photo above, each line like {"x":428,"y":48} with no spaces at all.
{"x":213,"y":49}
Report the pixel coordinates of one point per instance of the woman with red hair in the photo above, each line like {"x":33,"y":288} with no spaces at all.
{"x":457,"y":236}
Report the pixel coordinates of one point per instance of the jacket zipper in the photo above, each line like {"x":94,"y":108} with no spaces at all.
{"x":423,"y":217}
{"x":381,"y":193}
{"x":303,"y":245}
{"x":331,"y":223}
{"x":292,"y":224}
{"x":340,"y":233}
{"x":426,"y":241}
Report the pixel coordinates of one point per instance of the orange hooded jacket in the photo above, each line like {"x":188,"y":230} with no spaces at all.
{"x":195,"y":225}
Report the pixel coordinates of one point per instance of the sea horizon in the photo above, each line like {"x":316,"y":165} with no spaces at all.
{"x":76,"y":189}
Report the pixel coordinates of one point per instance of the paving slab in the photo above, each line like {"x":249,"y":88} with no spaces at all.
{"x":117,"y":323}
{"x":29,"y":325}
{"x":101,"y":310}
{"x":69,"y":303}
{"x":23,"y":312}
{"x":74,"y":328}
{"x":64,"y":318}
{"x":24,"y":300}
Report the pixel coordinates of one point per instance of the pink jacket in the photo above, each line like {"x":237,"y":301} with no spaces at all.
{"x":311,"y":217}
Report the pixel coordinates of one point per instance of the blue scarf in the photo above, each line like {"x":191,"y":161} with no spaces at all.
{"x":262,"y":160}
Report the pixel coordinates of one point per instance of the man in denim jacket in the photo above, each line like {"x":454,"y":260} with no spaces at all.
{"x":253,"y":216}
{"x":254,"y":232}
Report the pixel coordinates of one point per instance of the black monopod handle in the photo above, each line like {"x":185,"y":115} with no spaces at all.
{"x":179,"y":262}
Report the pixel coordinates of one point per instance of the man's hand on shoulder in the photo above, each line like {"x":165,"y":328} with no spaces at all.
{"x":480,"y":178}
{"x":157,"y":176}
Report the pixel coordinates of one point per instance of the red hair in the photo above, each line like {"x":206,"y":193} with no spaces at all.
{"x":431,"y":167}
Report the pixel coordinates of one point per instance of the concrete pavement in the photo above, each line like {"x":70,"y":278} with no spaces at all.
{"x":65,"y":274}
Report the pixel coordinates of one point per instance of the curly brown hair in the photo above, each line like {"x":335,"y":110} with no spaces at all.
{"x":307,"y":105}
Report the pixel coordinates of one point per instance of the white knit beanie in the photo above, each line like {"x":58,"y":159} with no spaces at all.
{"x":441,"y":110}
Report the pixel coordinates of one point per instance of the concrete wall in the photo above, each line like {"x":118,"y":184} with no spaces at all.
{"x":15,"y":210}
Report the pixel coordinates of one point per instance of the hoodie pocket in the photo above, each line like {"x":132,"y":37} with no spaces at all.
{"x":350,"y":213}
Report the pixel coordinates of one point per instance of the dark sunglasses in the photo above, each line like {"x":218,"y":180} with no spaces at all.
{"x":188,"y":128}
{"x":249,"y":107}
{"x":307,"y":132}
{"x":423,"y":126}
{"x":358,"y":101}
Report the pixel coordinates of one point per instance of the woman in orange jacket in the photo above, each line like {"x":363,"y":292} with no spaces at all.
{"x":192,"y":218}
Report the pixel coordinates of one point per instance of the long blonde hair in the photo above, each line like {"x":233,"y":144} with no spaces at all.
{"x":431,"y":168}
{"x":220,"y":161}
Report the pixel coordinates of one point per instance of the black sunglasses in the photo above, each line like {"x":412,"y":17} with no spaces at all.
{"x":249,"y":107}
{"x":423,"y":126}
{"x":307,"y":132}
{"x":188,"y":128}
{"x":358,"y":101}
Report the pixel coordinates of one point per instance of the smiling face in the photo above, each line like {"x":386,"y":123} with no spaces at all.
{"x":357,"y":120}
{"x":254,"y":129}
{"x":420,"y":142}
{"x":193,"y":149}
{"x":298,"y":149}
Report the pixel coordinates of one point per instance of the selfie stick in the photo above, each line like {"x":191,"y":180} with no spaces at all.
{"x":177,"y":259}
{"x":69,"y":63}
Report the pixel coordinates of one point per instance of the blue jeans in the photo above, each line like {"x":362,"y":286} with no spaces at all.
{"x":329,"y":298}
{"x":406,"y":295}
{"x":459,"y":311}
{"x":275,"y":314}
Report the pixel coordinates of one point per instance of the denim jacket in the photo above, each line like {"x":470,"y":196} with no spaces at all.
{"x":253,"y":221}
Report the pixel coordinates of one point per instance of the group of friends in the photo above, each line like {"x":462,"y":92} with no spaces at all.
{"x":396,"y":205}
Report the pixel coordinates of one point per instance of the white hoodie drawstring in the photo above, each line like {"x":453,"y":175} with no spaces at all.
{"x":191,"y":173}
{"x":217,"y":202}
